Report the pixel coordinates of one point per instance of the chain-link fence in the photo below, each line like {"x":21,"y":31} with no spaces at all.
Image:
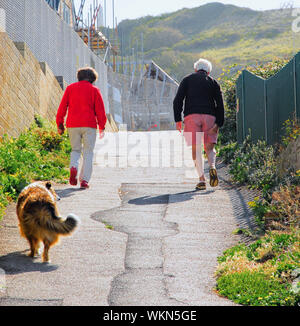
{"x":146,"y":104}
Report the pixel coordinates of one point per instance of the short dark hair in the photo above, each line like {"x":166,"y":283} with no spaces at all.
{"x":87,"y":73}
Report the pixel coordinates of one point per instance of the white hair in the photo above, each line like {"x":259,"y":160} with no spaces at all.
{"x":203,"y":64}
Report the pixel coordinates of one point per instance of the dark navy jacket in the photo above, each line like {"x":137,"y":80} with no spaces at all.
{"x":202,"y":94}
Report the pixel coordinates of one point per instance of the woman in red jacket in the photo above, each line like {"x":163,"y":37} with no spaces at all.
{"x":83,"y":103}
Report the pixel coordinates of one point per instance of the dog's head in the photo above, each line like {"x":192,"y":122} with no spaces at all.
{"x":49,"y":187}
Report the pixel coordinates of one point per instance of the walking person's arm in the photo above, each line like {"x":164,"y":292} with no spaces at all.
{"x":100,"y":112}
{"x":178,"y":104}
{"x":220,"y":112}
{"x":61,"y":112}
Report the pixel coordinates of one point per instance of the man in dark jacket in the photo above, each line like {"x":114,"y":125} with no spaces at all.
{"x":203,"y":113}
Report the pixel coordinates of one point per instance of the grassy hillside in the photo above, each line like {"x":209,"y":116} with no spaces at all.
{"x":224,"y":34}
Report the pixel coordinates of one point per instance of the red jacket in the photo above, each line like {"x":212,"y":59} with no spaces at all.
{"x":85,"y":107}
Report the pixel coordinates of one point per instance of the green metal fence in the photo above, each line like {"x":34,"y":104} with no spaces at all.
{"x":265,"y":104}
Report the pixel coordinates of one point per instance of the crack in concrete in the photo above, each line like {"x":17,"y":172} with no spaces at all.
{"x":143,"y":282}
{"x":10,"y":301}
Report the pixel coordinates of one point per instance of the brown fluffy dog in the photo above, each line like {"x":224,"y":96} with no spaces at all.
{"x":39,"y":218}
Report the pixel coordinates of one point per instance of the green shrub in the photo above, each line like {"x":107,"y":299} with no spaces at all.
{"x":49,"y":140}
{"x":253,"y":164}
{"x":37,"y":154}
{"x":261,"y":273}
{"x":292,"y":131}
{"x":227,"y":152}
{"x":269,"y":69}
{"x":228,"y":81}
{"x":255,"y":289}
{"x":260,"y":208}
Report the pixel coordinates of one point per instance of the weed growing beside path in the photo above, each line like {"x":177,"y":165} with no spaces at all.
{"x":37,"y":154}
{"x":267,"y":272}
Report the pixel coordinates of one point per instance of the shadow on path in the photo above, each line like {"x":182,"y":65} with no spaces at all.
{"x":69,"y":192}
{"x":18,"y":263}
{"x":161,"y":199}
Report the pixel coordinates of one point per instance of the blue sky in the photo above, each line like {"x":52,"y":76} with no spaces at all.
{"x":130,"y":9}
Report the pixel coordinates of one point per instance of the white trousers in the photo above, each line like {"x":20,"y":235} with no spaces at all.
{"x":199,"y":162}
{"x":83,"y":142}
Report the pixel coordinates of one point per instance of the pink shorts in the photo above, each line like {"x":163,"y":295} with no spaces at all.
{"x":197,"y":123}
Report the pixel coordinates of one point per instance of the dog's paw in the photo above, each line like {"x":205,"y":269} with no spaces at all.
{"x":39,"y":252}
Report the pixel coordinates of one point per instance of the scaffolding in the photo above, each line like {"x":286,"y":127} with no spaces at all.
{"x":89,"y":28}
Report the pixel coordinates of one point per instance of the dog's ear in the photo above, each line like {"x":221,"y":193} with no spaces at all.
{"x":48,"y":185}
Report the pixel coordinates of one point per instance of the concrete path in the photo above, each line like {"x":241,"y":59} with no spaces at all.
{"x":164,"y":244}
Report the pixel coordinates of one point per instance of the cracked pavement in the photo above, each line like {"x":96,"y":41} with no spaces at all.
{"x":147,"y":238}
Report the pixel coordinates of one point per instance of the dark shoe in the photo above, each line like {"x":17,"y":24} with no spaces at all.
{"x":73,"y":176}
{"x":214,"y":181}
{"x":84,"y":185}
{"x":201,"y":185}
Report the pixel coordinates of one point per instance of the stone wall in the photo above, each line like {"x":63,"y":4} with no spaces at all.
{"x":290,"y":158}
{"x":27,"y":88}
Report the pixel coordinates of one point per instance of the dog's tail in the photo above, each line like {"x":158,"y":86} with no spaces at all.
{"x":59,"y":226}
